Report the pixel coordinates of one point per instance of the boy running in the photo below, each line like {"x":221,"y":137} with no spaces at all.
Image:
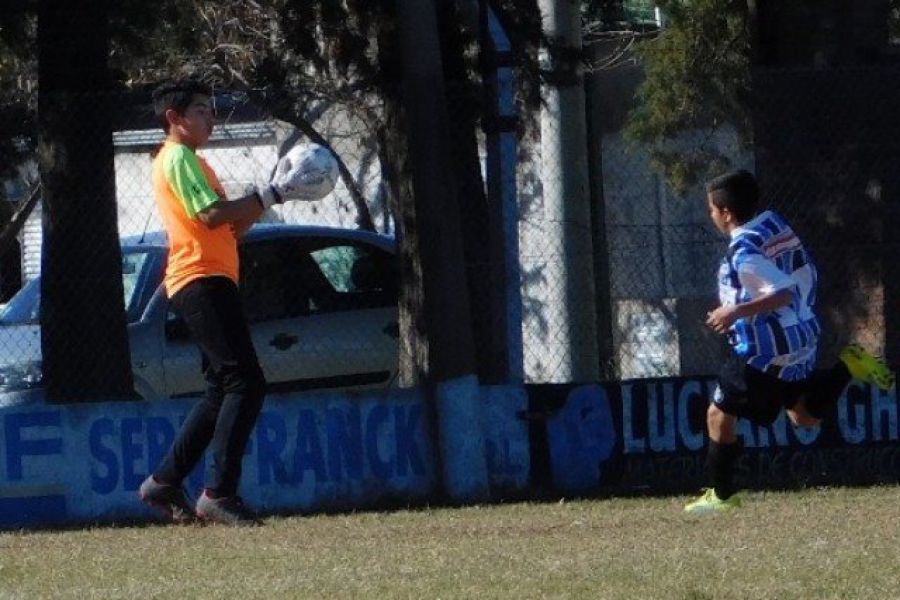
{"x":767,"y":291}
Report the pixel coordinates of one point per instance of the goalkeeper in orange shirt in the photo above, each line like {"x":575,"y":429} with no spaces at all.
{"x":201,"y":282}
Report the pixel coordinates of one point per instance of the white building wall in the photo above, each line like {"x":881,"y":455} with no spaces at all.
{"x":664,"y":254}
{"x":242,"y":155}
{"x":30,"y":239}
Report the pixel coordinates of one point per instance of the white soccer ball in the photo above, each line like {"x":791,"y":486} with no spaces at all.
{"x":312,"y":171}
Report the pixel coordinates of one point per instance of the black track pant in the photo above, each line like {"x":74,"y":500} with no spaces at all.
{"x":224,"y":419}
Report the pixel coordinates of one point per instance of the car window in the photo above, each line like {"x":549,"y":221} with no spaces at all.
{"x":134,"y":274}
{"x":25,"y":307}
{"x":337,"y":264}
{"x":358,"y":276}
{"x":288,"y":278}
{"x":280,"y":281}
{"x":262,"y":280}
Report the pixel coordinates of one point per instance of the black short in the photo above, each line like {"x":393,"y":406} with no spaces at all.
{"x":747,"y":392}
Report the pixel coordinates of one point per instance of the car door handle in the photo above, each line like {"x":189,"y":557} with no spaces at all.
{"x":392,"y":329}
{"x":283,"y":341}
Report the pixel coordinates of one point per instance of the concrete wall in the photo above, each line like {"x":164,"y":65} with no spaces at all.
{"x":649,"y":436}
{"x":83,"y":464}
{"x":78,"y":464}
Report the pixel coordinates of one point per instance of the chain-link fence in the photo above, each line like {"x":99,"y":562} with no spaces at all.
{"x":615,"y":287}
{"x":319,"y":291}
{"x":826,"y":149}
{"x":823,"y":150}
{"x":658,"y":252}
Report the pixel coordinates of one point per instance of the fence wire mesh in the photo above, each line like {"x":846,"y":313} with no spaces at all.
{"x":617,"y":288}
{"x":826,"y":150}
{"x":320,"y":296}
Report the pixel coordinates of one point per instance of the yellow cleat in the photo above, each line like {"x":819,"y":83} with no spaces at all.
{"x":709,"y":502}
{"x":865,"y":367}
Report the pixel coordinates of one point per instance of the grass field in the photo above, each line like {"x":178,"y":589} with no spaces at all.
{"x":833,"y":543}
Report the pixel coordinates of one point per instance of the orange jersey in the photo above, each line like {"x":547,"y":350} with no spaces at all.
{"x":184,"y":185}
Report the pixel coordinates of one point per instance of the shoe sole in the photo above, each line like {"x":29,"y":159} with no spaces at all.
{"x":168,"y":513}
{"x":204,"y":518}
{"x":705,"y":510}
{"x":697,"y":508}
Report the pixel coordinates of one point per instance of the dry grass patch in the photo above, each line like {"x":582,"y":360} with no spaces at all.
{"x":835,"y":543}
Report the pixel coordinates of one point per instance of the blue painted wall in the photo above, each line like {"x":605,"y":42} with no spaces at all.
{"x":650,"y":436}
{"x":85,"y":463}
{"x":80,"y":464}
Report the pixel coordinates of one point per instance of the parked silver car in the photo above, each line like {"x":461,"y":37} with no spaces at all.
{"x":321,"y":303}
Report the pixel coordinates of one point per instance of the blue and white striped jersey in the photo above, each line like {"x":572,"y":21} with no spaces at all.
{"x":766,"y":256}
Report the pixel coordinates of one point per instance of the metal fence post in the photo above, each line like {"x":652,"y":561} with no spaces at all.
{"x":500,"y":126}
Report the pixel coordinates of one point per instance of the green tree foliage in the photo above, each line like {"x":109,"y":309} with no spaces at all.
{"x":18,"y":83}
{"x":697,"y":80}
{"x":291,"y":55}
{"x":894,"y":22}
{"x":619,"y":15}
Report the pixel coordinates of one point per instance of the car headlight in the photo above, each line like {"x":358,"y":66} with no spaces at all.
{"x":24,"y":376}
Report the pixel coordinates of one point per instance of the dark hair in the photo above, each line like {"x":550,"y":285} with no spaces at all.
{"x":736,"y":191}
{"x":176,"y":95}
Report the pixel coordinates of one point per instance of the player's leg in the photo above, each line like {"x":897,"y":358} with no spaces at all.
{"x":819,"y":400}
{"x":197,"y":430}
{"x":825,"y":386}
{"x":730,"y":398}
{"x":724,"y":450}
{"x":722,"y":453}
{"x":866,"y":367}
{"x":801,"y":417}
{"x":243,"y":385}
{"x":163,"y":489}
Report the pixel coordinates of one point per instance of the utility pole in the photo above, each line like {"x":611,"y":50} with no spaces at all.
{"x":569,"y":342}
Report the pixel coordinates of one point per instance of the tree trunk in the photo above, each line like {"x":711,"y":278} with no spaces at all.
{"x":463,"y":102}
{"x":461,"y":446}
{"x":394,"y":155}
{"x":836,"y":182}
{"x":447,"y":318}
{"x":83,"y":326}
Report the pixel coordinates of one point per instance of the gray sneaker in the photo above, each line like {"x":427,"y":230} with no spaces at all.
{"x":171,"y":500}
{"x":229,"y":510}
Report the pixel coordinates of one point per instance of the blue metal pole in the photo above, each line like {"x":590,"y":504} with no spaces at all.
{"x":502,"y":159}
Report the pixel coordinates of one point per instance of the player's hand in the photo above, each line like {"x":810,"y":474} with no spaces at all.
{"x":283,"y":185}
{"x":268,"y":195}
{"x":721,"y":319}
{"x":271,"y":193}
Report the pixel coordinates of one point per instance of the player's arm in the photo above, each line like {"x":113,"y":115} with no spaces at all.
{"x":241,"y":227}
{"x":763,"y":304}
{"x":242,"y":213}
{"x":721,"y":319}
{"x":288,"y":183}
{"x":191,"y":185}
{"x":769,"y":288}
